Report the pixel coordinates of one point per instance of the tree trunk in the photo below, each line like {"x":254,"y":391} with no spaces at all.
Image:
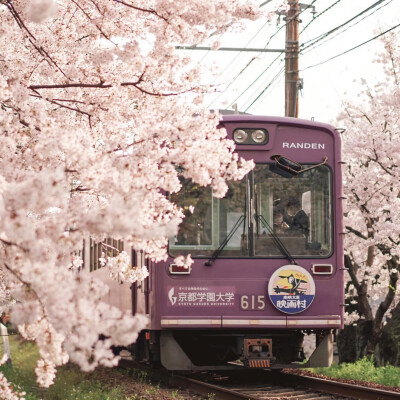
{"x":353,"y":341}
{"x":389,"y":346}
{"x":369,"y":330}
{"x":346,"y":344}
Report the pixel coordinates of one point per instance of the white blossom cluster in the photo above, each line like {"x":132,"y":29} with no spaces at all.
{"x":7,"y":392}
{"x":98,"y":112}
{"x":120,"y":268}
{"x":372,"y":176}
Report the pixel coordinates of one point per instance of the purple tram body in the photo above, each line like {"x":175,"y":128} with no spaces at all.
{"x":268,"y":258}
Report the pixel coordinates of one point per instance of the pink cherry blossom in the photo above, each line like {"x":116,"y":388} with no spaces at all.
{"x":98,"y":112}
{"x":371,"y":186}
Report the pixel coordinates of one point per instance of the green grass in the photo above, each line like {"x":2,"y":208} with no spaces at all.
{"x":113,"y":384}
{"x":24,"y":356}
{"x":363,"y":370}
{"x":71,"y":383}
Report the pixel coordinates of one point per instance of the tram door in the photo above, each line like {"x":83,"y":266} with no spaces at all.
{"x":141,"y":290}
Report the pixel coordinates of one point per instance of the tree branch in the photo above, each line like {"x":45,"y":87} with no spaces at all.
{"x":357,"y":233}
{"x":29,"y":286}
{"x":385,"y":304}
{"x":103,"y":85}
{"x":67,"y":107}
{"x":31,"y":37}
{"x":91,"y":20}
{"x":362,"y":289}
{"x":150,"y":11}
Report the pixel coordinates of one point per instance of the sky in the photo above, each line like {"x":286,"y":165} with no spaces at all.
{"x":240,"y":79}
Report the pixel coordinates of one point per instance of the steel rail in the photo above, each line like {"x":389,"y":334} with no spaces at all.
{"x":342,"y":388}
{"x":266,"y":385}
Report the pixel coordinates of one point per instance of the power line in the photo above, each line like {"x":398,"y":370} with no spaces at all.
{"x":314,"y":46}
{"x":253,"y":59}
{"x":269,"y":85}
{"x":266,"y":81}
{"x":287,"y":21}
{"x":231,"y":63}
{"x":239,"y":49}
{"x":330,"y":32}
{"x":209,"y":49}
{"x":319,"y":15}
{"x":269,"y":40}
{"x":324,"y":35}
{"x":349,"y":50}
{"x":255,"y":80}
{"x":265,"y":2}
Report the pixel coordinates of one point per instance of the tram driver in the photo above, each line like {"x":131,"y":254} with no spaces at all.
{"x":296,"y":218}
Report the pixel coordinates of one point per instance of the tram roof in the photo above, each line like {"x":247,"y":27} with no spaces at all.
{"x":278,"y":120}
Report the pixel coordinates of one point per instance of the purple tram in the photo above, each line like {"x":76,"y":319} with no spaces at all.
{"x":268,"y":258}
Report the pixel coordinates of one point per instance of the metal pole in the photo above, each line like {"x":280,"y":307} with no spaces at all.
{"x":292,"y":60}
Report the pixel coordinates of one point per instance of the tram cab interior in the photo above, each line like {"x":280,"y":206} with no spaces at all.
{"x":264,"y":205}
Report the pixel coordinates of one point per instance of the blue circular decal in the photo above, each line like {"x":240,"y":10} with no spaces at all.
{"x":291,"y":289}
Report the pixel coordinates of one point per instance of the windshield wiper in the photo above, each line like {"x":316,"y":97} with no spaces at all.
{"x":282,"y":248}
{"x":217,"y":252}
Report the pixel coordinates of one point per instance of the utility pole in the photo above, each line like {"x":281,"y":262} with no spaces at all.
{"x":292,"y":82}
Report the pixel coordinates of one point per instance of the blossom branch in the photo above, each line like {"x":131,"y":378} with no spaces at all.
{"x":91,"y":20}
{"x":385,"y":304}
{"x":29,"y":287}
{"x":357,"y":233}
{"x":8,"y":243}
{"x":150,"y":11}
{"x":80,"y":188}
{"x":31,"y":37}
{"x":103,"y":85}
{"x":111,"y":247}
{"x":17,"y":111}
{"x":67,"y":107}
{"x":362,"y":288}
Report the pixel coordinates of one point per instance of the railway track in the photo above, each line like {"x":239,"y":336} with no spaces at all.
{"x":263,"y":385}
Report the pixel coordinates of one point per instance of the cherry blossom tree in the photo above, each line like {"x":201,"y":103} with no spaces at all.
{"x":98,"y":112}
{"x":372,"y":176}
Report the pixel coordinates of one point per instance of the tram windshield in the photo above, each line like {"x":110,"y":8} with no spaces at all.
{"x":297,"y":210}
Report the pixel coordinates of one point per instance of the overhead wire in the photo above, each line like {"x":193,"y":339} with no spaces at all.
{"x":319,"y":15}
{"x":332,"y":31}
{"x":232,"y":65}
{"x":254,"y":81}
{"x":304,"y":45}
{"x":349,"y":50}
{"x":251,"y":61}
{"x":265,"y":2}
{"x":266,"y":69}
{"x":327,"y":39}
{"x":262,"y":84}
{"x":266,"y":88}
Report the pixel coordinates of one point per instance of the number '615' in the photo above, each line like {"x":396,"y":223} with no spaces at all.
{"x":252,"y":302}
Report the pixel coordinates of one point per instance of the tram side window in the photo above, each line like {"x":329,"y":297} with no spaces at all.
{"x":213,"y":223}
{"x":196,"y":228}
{"x":321,"y":217}
{"x":231,"y":218}
{"x":109,"y":247}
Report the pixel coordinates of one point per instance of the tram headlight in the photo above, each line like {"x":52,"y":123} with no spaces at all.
{"x":249,"y":136}
{"x":240,"y":136}
{"x":258,"y":136}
